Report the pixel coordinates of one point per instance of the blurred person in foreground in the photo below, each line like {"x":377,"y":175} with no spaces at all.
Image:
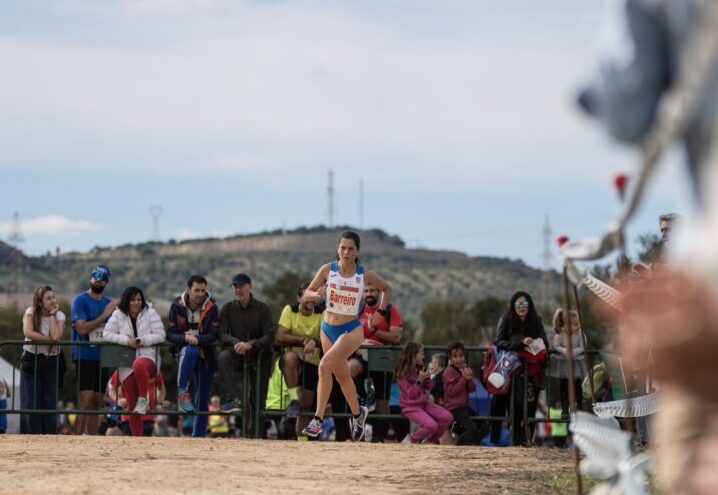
{"x":672,"y":314}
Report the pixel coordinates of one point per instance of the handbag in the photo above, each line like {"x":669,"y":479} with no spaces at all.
{"x":499,"y":366}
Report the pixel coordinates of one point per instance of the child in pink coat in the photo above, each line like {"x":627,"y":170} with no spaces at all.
{"x":413,"y":380}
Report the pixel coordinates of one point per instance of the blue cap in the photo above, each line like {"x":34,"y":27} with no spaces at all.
{"x":101,"y":272}
{"x":241,"y":279}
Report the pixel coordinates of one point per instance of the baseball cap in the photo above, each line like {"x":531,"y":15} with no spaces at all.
{"x":241,"y":279}
{"x":101,"y":272}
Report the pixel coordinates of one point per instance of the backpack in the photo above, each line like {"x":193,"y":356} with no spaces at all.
{"x":387,"y":315}
{"x":502,"y":365}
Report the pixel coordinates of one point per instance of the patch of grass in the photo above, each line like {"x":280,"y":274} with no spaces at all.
{"x":565,"y":483}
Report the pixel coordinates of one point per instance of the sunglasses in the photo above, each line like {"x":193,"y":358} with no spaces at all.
{"x":519,"y":304}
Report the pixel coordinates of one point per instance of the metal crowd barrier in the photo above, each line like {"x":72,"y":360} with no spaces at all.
{"x":380,"y":359}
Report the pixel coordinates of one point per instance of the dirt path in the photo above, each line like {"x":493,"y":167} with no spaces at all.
{"x":105,"y":465}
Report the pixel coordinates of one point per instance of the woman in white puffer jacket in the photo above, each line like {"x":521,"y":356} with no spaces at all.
{"x":138,"y":326}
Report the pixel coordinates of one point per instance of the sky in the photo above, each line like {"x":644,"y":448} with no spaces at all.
{"x":458,"y":117}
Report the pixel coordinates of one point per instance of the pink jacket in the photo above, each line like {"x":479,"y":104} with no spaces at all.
{"x":412,"y":392}
{"x":456,"y":388}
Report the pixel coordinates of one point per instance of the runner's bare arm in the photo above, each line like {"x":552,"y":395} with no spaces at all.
{"x":315,"y":291}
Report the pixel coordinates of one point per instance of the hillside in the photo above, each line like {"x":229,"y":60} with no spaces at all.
{"x":161,"y":269}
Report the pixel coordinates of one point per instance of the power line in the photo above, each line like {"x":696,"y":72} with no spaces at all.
{"x":155,"y":213}
{"x":361,"y":204}
{"x":15,"y":239}
{"x":547,"y":255}
{"x":547,"y":258}
{"x":330,"y":200}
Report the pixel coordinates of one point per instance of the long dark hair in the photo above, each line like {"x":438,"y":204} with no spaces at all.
{"x":127,"y":296}
{"x":406,"y":366}
{"x":350,"y":234}
{"x":37,"y":305}
{"x":533,"y":320}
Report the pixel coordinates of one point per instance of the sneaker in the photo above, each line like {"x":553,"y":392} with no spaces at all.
{"x":232,"y":406}
{"x":294,"y":409}
{"x":370,"y":394}
{"x":185,"y":403}
{"x":358,"y":428}
{"x":313,"y":429}
{"x":407,"y":440}
{"x":456,"y":429}
{"x":142,"y":406}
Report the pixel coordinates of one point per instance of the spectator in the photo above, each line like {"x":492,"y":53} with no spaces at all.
{"x":117,"y":395}
{"x":413,"y":380}
{"x":245,"y":323}
{"x":171,"y":420}
{"x":559,"y":361}
{"x":437,"y":364}
{"x":138,"y":326}
{"x":436,"y":368}
{"x":4,"y":396}
{"x":543,"y":426}
{"x":218,"y":424}
{"x":666,"y":223}
{"x":458,"y":381}
{"x":559,"y":430}
{"x":400,"y":426}
{"x":39,"y":364}
{"x":299,"y":327}
{"x":71,"y":416}
{"x":378,"y":331}
{"x":518,"y":328}
{"x":115,"y":403}
{"x":193,"y":325}
{"x":90,"y":311}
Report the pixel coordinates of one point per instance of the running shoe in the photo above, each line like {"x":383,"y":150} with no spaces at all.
{"x":358,"y":424}
{"x":313,"y":429}
{"x":142,"y":406}
{"x":185,"y":403}
{"x":232,"y":406}
{"x":456,"y":429}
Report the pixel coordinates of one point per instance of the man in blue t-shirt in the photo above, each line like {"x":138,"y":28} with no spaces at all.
{"x":89,"y":312}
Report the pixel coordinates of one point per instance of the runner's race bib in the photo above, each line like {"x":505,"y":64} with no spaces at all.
{"x":343,"y":300}
{"x":96,"y":334}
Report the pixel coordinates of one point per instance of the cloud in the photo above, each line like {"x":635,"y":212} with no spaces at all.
{"x":256,"y":90}
{"x":184,"y":234}
{"x":53,"y":225}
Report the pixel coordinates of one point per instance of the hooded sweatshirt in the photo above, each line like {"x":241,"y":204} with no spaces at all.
{"x":204,"y":322}
{"x":412,"y":391}
{"x":456,"y":388}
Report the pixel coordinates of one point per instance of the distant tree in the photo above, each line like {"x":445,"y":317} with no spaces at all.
{"x":283,"y":291}
{"x":473,"y":324}
{"x":486,"y":313}
{"x":11,"y":329}
{"x":650,"y":248}
{"x":445,"y":321}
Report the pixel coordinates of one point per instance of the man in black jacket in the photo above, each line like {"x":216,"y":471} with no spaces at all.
{"x":246,"y":323}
